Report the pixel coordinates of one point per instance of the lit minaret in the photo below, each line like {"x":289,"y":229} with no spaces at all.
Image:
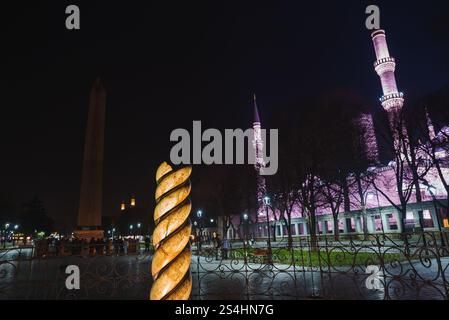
{"x":257,"y":142}
{"x":392,"y":100}
{"x":366,"y":124}
{"x":258,"y":147}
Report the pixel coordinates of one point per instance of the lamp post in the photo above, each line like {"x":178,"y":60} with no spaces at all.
{"x":245,"y":221}
{"x":4,"y":234}
{"x":199,"y":214}
{"x":16,"y":227}
{"x":432,"y":190}
{"x":379,"y":211}
{"x":364,"y":213}
{"x":266,"y":202}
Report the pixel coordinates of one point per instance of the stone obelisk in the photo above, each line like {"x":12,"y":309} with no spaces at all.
{"x":91,"y":196}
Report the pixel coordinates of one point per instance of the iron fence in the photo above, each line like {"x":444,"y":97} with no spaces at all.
{"x":409,"y":266}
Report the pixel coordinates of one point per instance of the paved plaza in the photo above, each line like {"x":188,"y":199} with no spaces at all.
{"x":128,"y":277}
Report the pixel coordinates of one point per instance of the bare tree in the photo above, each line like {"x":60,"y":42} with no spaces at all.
{"x":332,"y":194}
{"x":407,"y":171}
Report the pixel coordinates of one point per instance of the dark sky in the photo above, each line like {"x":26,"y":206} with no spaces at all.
{"x":165,"y":64}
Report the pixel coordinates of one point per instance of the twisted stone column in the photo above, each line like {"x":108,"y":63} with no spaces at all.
{"x":171,"y":238}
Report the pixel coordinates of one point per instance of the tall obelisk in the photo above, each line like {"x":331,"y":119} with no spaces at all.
{"x":91,"y":196}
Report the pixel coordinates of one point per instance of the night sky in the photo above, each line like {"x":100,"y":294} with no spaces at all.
{"x":165,"y":64}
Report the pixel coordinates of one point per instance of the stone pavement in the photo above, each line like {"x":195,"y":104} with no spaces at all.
{"x":231,"y":279}
{"x":128,"y":277}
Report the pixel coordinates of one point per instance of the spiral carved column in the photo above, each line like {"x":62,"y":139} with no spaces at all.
{"x":171,"y":238}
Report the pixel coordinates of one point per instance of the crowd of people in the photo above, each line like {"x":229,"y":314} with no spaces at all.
{"x":93,"y":247}
{"x":119,"y":245}
{"x":220,"y":246}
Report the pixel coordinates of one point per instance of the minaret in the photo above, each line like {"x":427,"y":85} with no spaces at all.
{"x":392,"y":100}
{"x":366,"y":124}
{"x":259,"y":163}
{"x":91,"y":197}
{"x":257,"y":142}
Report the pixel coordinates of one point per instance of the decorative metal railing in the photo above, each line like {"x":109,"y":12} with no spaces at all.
{"x":391,"y":266}
{"x":384,"y":60}
{"x":26,"y":273}
{"x":409,"y":266}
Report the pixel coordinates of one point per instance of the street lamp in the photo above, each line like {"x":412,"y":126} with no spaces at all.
{"x":4,"y":234}
{"x":266,"y":202}
{"x":370,"y":196}
{"x":432,"y":190}
{"x":199,"y":214}
{"x":245,"y":220}
{"x":211,"y":220}
{"x":16,"y":227}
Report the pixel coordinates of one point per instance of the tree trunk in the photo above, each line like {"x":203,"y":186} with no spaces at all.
{"x":313,"y":237}
{"x":289,"y":232}
{"x":336,"y":228}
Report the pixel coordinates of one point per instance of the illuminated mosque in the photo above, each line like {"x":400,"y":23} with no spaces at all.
{"x":374,"y":205}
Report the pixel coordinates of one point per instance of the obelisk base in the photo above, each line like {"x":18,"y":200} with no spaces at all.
{"x":87,"y":233}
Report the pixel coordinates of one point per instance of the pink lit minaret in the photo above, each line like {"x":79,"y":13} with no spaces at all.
{"x":259,"y":163}
{"x":392,"y":100}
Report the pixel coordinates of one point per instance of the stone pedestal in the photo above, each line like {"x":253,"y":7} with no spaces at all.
{"x":88,"y":234}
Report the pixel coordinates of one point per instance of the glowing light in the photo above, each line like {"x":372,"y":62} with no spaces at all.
{"x":122,"y":206}
{"x":446,"y":223}
{"x":133,"y":202}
